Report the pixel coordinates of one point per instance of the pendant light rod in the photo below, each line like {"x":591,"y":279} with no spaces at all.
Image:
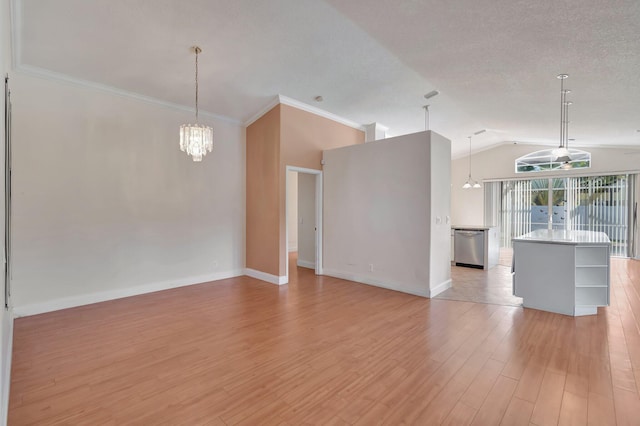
{"x":198,"y":51}
{"x":429,"y":95}
{"x":469,"y":157}
{"x":563,"y":95}
{"x":426,"y":117}
{"x":566,"y":123}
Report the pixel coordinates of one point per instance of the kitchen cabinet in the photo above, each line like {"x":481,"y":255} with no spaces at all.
{"x":565,"y":272}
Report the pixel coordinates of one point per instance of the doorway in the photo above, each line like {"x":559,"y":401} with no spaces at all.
{"x":303,"y":217}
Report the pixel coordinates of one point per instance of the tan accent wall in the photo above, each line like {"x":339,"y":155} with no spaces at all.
{"x":285,"y":136}
{"x":303,"y":137}
{"x":262,"y":204}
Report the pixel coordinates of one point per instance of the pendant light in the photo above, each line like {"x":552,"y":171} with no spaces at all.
{"x":470,"y":183}
{"x":196,"y":139}
{"x":562,"y":153}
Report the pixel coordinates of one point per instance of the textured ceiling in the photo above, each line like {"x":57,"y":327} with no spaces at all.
{"x":494,"y":61}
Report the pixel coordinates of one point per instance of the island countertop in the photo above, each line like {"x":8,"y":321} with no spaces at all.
{"x":564,"y":237}
{"x":472,"y":227}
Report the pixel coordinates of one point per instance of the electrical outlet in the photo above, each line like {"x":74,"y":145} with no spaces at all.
{"x":371,"y":267}
{"x":215,"y":264}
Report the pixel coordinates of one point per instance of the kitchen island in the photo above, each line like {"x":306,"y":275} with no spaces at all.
{"x":565,"y":272}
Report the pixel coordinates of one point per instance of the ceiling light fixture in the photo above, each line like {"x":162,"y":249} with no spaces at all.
{"x":470,"y":183}
{"x":562,"y":157}
{"x":196,"y":139}
{"x":562,"y":153}
{"x":429,"y":95}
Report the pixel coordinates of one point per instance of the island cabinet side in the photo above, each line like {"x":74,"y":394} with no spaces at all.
{"x":544,"y":276}
{"x":569,"y":279}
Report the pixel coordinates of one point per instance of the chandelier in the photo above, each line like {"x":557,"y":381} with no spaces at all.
{"x":196,"y":139}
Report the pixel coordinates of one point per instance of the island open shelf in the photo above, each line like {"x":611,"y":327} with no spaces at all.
{"x":565,"y":272}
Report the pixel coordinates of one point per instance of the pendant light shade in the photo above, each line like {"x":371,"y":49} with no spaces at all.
{"x":196,"y":139}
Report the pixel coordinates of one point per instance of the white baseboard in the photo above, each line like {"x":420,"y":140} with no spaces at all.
{"x":362,"y":279}
{"x":433,"y":292}
{"x":6,"y":374}
{"x":103,"y":296}
{"x":292,"y":248}
{"x":306,"y":264}
{"x":263,"y":276}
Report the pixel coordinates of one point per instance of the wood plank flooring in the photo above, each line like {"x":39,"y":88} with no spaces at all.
{"x":327,"y":351}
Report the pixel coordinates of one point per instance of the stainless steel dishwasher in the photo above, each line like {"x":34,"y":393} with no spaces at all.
{"x":469,"y":248}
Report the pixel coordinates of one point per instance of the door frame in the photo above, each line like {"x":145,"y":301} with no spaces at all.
{"x":318,"y":224}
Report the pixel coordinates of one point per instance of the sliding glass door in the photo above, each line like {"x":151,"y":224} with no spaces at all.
{"x":601,"y":204}
{"x":593,"y":203}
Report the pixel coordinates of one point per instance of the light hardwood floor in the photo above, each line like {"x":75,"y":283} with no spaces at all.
{"x":327,"y":351}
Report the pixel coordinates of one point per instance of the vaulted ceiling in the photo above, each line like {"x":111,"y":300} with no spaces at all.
{"x":494,"y":61}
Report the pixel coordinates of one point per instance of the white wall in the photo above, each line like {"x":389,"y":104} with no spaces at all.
{"x":378,"y":210}
{"x":306,"y":220}
{"x":292,"y":210}
{"x":6,"y":320}
{"x":440,"y":170}
{"x":498,"y":163}
{"x":106,"y":205}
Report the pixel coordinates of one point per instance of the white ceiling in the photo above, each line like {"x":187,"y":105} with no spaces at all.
{"x":494,"y":61}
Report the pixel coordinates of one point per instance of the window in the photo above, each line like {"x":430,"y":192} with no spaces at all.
{"x":545,"y":160}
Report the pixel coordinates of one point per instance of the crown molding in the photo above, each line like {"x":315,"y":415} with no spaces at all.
{"x":320,"y":112}
{"x":284,"y":100}
{"x":45,"y":74}
{"x":262,"y":111}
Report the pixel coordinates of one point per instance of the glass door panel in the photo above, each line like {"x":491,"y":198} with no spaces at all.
{"x":558,"y":203}
{"x":539,"y":204}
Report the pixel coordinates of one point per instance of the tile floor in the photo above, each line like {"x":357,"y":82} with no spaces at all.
{"x":477,"y":285}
